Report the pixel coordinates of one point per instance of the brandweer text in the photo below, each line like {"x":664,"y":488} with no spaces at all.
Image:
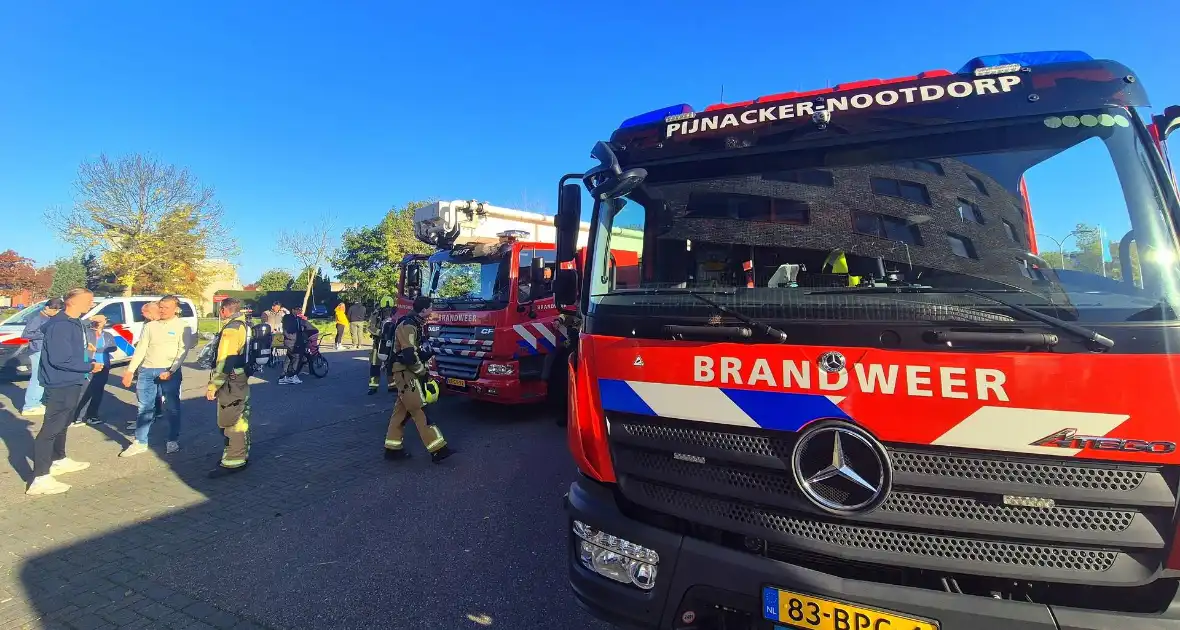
{"x":871,"y":378}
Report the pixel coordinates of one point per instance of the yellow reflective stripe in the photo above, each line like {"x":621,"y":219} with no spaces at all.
{"x":233,"y":463}
{"x":393,"y":443}
{"x":436,"y":443}
{"x":241,"y":426}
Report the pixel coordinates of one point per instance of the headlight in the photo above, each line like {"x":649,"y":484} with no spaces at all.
{"x":615,"y":558}
{"x":501,"y":369}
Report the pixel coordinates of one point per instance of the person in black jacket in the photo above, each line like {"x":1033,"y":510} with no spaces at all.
{"x":66,"y":366}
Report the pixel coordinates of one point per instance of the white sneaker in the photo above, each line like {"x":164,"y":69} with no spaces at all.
{"x":66,"y":465}
{"x":284,"y":381}
{"x":172,"y":447}
{"x":46,"y":484}
{"x":295,"y":380}
{"x":135,"y":449}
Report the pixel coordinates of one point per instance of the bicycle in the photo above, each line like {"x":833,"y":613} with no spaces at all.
{"x":317,"y":364}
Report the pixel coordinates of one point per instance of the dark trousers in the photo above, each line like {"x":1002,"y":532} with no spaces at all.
{"x":50,"y":444}
{"x":92,"y":397}
{"x":339,"y":334}
{"x":294,"y":359}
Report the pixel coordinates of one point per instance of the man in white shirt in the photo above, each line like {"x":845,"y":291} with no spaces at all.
{"x":158,"y":356}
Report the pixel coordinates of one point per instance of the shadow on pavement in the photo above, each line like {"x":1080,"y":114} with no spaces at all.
{"x":321,"y":531}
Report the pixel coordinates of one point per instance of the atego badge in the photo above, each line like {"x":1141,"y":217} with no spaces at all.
{"x":1069,"y":438}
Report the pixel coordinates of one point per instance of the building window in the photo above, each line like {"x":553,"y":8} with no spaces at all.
{"x":883,"y":226}
{"x":961,"y":246}
{"x":809,"y":177}
{"x":910,"y":191}
{"x":1011,"y":230}
{"x":969,"y":212}
{"x":747,"y":208}
{"x":978,"y":184}
{"x":925,"y":166}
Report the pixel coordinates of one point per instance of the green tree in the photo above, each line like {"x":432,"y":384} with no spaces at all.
{"x":149,"y":222}
{"x":275,"y":280}
{"x":321,"y":285}
{"x":69,"y":273}
{"x":363,"y":265}
{"x":95,"y":277}
{"x":459,"y":281}
{"x":368,"y":258}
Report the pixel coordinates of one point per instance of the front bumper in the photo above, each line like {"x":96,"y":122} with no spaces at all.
{"x":699,"y":576}
{"x":14,"y":361}
{"x":506,"y":391}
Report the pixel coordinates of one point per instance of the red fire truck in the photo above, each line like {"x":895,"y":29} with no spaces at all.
{"x":494,"y":325}
{"x":858,"y":386}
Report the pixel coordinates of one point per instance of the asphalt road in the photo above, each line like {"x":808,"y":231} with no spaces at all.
{"x":321,"y":531}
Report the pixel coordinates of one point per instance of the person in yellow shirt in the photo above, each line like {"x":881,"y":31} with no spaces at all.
{"x":229,"y":386}
{"x":341,"y":323}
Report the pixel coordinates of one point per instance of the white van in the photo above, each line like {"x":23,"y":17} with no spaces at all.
{"x":124,"y":321}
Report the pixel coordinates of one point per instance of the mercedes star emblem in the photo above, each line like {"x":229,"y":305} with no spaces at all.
{"x":841,"y":468}
{"x":831,"y":362}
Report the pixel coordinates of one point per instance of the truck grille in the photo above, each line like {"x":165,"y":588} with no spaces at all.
{"x":1108,"y":525}
{"x":461,"y":350}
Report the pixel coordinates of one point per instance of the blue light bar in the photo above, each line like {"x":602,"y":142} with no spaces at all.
{"x":1038,"y":58}
{"x":655,"y":116}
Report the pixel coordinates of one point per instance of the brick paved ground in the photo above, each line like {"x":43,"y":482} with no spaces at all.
{"x":319,"y":532}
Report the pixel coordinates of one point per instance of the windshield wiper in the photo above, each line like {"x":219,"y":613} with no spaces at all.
{"x":1058,"y":323}
{"x":765,"y":329}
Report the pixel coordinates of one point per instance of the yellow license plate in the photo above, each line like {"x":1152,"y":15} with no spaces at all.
{"x":797,"y":610}
{"x":456,"y":382}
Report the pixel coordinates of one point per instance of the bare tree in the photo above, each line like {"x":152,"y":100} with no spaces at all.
{"x":309,"y":247}
{"x":532,"y":203}
{"x":146,"y":220}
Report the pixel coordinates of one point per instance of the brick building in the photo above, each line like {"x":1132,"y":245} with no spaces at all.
{"x":938,"y":214}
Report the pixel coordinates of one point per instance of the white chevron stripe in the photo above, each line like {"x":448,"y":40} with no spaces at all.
{"x":836,"y":399}
{"x":544,"y":330}
{"x":1013,"y":429}
{"x":526,"y":335}
{"x":690,"y":402}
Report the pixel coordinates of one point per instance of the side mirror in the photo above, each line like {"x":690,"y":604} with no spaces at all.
{"x":568,"y":221}
{"x":413,"y":277}
{"x":565,"y":287}
{"x":1167,"y":122}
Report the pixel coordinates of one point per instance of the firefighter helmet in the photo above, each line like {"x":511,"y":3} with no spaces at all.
{"x":430,"y":392}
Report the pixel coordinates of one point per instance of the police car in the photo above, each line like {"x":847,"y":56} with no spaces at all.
{"x":124,"y":321}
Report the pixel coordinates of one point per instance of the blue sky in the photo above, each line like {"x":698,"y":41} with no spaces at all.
{"x":296,"y":108}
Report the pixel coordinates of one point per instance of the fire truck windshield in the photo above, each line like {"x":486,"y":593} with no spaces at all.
{"x":1064,"y":212}
{"x":455,"y":280}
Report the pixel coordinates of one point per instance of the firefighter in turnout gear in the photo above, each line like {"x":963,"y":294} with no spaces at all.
{"x":381,"y":329}
{"x":409,"y":376}
{"x":229,"y":387}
